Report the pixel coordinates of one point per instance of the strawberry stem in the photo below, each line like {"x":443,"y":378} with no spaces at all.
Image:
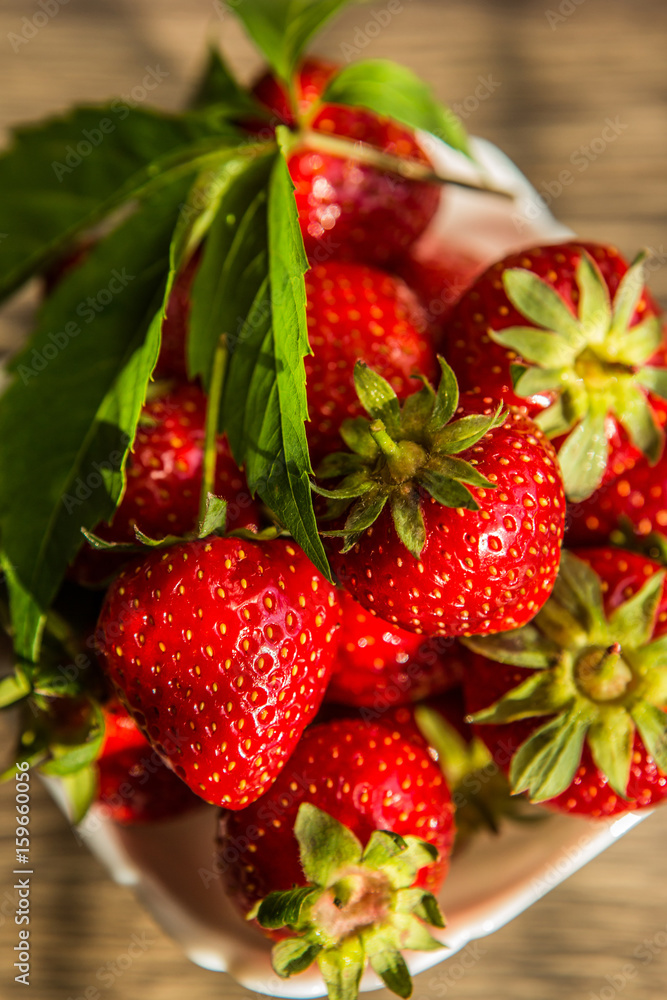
{"x":212,"y":420}
{"x":362,"y":152}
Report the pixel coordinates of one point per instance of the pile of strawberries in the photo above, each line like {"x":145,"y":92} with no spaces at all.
{"x":467,"y":420}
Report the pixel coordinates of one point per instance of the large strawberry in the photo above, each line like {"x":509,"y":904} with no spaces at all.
{"x":456,"y":526}
{"x":347,"y":208}
{"x":164,"y":481}
{"x":570,"y":332}
{"x":573,"y":706}
{"x":134,"y":783}
{"x":221,"y":651}
{"x":357,"y":312}
{"x":378,"y":665}
{"x":344,"y":784}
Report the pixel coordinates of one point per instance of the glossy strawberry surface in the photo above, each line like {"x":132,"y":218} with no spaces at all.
{"x":623,"y":573}
{"x":439,"y":275}
{"x":368,"y":777}
{"x":221,"y":651}
{"x":348,"y":209}
{"x":356,"y":312}
{"x":378,"y":664}
{"x":480,"y":571}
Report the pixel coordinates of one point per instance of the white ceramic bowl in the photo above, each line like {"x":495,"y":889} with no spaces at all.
{"x":172,"y":866}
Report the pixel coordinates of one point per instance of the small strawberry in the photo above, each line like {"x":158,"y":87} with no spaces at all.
{"x":570,"y":332}
{"x":349,"y":209}
{"x":134,"y":784}
{"x":164,"y":481}
{"x":455,"y":528}
{"x":221,"y":652}
{"x":439,"y":275}
{"x":573,"y":705}
{"x":356,"y":798}
{"x":357,"y":312}
{"x":378,"y":664}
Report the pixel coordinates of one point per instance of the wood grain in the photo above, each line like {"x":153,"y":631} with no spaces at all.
{"x":553,"y":84}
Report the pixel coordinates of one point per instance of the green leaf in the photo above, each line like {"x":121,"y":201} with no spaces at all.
{"x":412,"y":934}
{"x":340,"y":463}
{"x":68,"y":759}
{"x":402,"y":869}
{"x":446,"y":490}
{"x":341,"y":968}
{"x":233,"y":264}
{"x":535,"y":299}
{"x":218,"y":86}
{"x":284,"y":909}
{"x":325,"y":845}
{"x":281,"y":29}
{"x":80,"y":789}
{"x":390,"y":966}
{"x":633,"y":622}
{"x":100,"y":364}
{"x":293,"y":955}
{"x":540,"y":694}
{"x":56,"y":193}
{"x":561,"y":416}
{"x":611,"y":739}
{"x":215,"y":518}
{"x":377,"y":397}
{"x":627,"y":298}
{"x":352,"y":486}
{"x":651,"y":722}
{"x":524,"y":647}
{"x":463,"y":472}
{"x":381,"y":847}
{"x":583,"y":456}
{"x":549,"y":350}
{"x":393,"y":91}
{"x":423,"y":904}
{"x":264,"y":403}
{"x":533,"y":381}
{"x":635,"y":346}
{"x":409,"y":521}
{"x":356,"y":434}
{"x":653,"y":379}
{"x":578,"y":590}
{"x":14,"y":687}
{"x":464,"y":433}
{"x":546,"y":763}
{"x":446,"y":399}
{"x":365,"y":512}
{"x":638,"y":418}
{"x":594,"y":301}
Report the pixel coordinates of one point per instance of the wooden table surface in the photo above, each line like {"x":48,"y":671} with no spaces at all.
{"x":553,"y":72}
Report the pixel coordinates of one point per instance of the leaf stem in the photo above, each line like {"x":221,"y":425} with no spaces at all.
{"x":363,"y":152}
{"x":212,"y":420}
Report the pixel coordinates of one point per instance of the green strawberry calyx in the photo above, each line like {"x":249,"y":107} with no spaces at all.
{"x":595,"y":363}
{"x":360,"y":906}
{"x":405,"y":450}
{"x":599,"y":679}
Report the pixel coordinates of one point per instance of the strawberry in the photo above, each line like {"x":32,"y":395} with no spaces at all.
{"x":571,"y":333}
{"x":164,"y":480}
{"x":634,"y":505}
{"x":349,"y":209}
{"x":357,"y":312}
{"x":378,"y":664}
{"x":456,"y":527}
{"x":134,"y":784}
{"x":221,"y":651}
{"x":573,"y":706}
{"x":439,"y":275}
{"x":171,"y":362}
{"x":345,"y":782}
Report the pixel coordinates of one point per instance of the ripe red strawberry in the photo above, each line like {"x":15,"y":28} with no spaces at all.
{"x":439,"y":275}
{"x":573,"y":708}
{"x":570,"y":332}
{"x":457,"y":527}
{"x":378,"y":665}
{"x":349,"y":209}
{"x":164,"y":480}
{"x":221,"y":651}
{"x":357,"y":312}
{"x":345,"y":781}
{"x":134,"y":783}
{"x":635,"y":503}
